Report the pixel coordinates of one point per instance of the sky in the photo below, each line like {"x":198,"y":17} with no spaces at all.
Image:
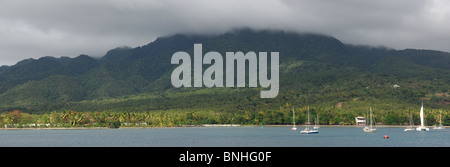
{"x":38,"y":28}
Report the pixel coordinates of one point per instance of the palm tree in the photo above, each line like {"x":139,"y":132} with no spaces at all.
{"x":54,"y":117}
{"x":9,"y":120}
{"x":247,"y":116}
{"x":65,"y":116}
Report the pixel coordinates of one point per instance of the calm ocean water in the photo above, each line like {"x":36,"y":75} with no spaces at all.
{"x":223,"y":137}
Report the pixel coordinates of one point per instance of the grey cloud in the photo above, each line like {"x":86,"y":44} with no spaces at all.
{"x":68,"y":28}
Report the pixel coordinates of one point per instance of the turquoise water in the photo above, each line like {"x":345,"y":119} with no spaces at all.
{"x":223,"y":137}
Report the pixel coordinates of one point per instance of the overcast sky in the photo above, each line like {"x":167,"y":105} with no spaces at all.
{"x":37,"y":28}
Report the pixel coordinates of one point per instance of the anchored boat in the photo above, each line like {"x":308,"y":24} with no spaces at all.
{"x":293,"y":119}
{"x":410,"y":127}
{"x":440,"y":122}
{"x":422,"y":125}
{"x":307,"y":130}
{"x":370,"y":127}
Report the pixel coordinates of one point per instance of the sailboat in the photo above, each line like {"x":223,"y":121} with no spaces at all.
{"x":370,"y":127}
{"x":410,"y":127}
{"x":293,"y":119}
{"x":307,"y":130}
{"x":440,"y":122}
{"x":316,"y":126}
{"x":422,"y":125}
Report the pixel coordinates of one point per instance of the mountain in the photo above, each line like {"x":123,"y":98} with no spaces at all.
{"x":314,"y":70}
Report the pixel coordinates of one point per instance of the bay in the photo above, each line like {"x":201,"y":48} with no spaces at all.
{"x":223,"y":137}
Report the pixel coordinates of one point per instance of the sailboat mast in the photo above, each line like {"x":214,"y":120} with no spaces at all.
{"x":293,"y":115}
{"x":410,"y":119}
{"x":421,"y":116}
{"x":317,"y":119}
{"x":371,"y":117}
{"x":367,"y":117}
{"x":308,"y":118}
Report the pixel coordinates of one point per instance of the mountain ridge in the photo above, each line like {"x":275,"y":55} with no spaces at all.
{"x":313,"y":68}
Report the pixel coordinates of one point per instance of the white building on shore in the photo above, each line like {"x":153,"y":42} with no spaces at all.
{"x":360,"y":120}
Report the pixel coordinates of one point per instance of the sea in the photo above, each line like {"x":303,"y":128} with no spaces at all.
{"x":223,"y":137}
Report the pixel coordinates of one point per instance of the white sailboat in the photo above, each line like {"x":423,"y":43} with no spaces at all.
{"x":440,"y":122}
{"x":307,"y":130}
{"x":410,"y":127}
{"x":422,"y":125}
{"x":293,"y":119}
{"x":370,"y":127}
{"x":316,"y":126}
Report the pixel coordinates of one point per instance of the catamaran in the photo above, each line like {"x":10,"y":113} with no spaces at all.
{"x":293,"y":119}
{"x":422,"y":125}
{"x":440,"y":122}
{"x":370,"y":127}
{"x":307,"y":130}
{"x":410,"y":127}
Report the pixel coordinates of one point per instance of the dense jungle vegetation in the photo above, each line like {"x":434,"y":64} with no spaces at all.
{"x":132,"y":87}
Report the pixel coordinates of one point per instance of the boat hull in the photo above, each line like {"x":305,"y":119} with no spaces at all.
{"x":309,"y":132}
{"x":422,"y":128}
{"x":438,"y":127}
{"x":369,"y":130}
{"x":409,"y":129}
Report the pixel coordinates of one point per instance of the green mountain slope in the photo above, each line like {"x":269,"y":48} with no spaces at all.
{"x":315,"y":70}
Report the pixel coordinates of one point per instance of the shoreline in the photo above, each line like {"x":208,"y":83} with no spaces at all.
{"x":205,"y":125}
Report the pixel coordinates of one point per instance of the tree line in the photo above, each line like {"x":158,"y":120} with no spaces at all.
{"x":176,"y":118}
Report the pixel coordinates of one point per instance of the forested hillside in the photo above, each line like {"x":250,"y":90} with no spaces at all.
{"x":336,"y":80}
